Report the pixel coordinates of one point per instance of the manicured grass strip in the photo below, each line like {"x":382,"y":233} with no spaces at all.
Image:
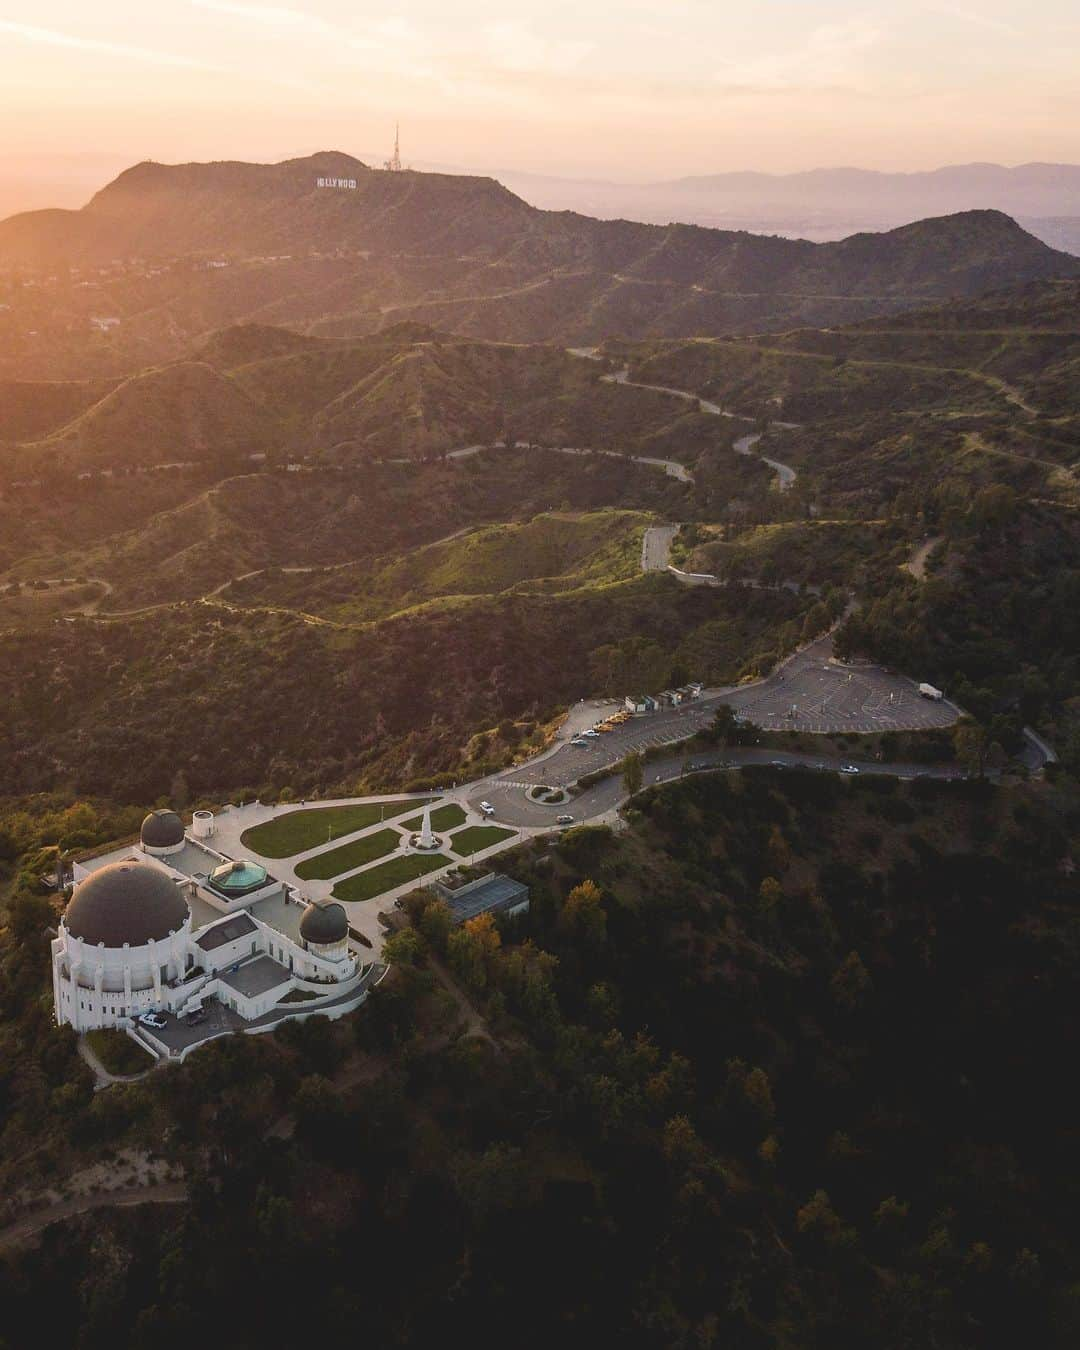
{"x":118,"y":1052}
{"x":470,"y":841}
{"x":353,"y":854}
{"x":297,"y":831}
{"x":442,"y":818}
{"x":409,"y":867}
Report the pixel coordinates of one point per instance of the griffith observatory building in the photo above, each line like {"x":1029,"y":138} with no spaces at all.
{"x":168,"y":924}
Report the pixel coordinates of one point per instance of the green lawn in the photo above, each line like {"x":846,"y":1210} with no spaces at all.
{"x":118,"y":1052}
{"x":353,"y":854}
{"x":442,"y":818}
{"x":470,"y":841}
{"x":297,"y":831}
{"x":409,"y":867}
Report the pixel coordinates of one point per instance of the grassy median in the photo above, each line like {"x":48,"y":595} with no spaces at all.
{"x":395,"y":872}
{"x":467,"y":842}
{"x":297,"y":831}
{"x":347,"y":856}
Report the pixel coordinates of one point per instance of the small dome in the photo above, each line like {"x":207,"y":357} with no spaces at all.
{"x":324,"y":924}
{"x":129,"y":902}
{"x":162,"y":829}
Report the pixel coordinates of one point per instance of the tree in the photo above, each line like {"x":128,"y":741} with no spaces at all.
{"x":769,"y":894}
{"x":583,"y":913}
{"x":994,"y":507}
{"x":603,"y":1001}
{"x":971,"y":746}
{"x":758,"y":1092}
{"x":404,"y":948}
{"x":891,"y":1212}
{"x":471,"y":950}
{"x":436,"y":924}
{"x":777,"y":851}
{"x":633,"y":772}
{"x":851,"y":983}
{"x":724,"y":729}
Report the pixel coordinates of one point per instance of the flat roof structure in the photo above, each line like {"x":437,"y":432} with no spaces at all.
{"x":280,"y":913}
{"x":494,"y":893}
{"x":235,"y":926}
{"x":256,"y":977}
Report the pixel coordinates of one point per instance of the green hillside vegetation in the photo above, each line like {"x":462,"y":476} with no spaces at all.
{"x":379,"y":708}
{"x":34,"y":524}
{"x":814,"y":553}
{"x":203,"y":537}
{"x":181,"y":412}
{"x":550,"y":553}
{"x":29,"y":410}
{"x":983,"y":392}
{"x":784,"y":381}
{"x":409,"y":392}
{"x":997,"y":622}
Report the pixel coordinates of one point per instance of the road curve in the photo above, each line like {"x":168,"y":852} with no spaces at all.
{"x":785,"y":474}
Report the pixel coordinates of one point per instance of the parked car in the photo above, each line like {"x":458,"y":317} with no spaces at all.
{"x":580,"y":742}
{"x":591,"y":734}
{"x":154,"y":1020}
{"x":849,"y":768}
{"x":194,"y":1017}
{"x":487,"y":808}
{"x":564,"y":820}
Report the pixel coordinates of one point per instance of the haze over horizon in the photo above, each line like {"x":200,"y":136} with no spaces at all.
{"x":612,"y":92}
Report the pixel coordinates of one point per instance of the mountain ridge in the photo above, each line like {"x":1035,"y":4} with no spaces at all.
{"x":267,"y":242}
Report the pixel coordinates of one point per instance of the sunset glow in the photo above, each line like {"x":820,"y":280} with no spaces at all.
{"x":628,"y":91}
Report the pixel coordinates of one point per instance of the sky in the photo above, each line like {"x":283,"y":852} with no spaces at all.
{"x":618,"y":89}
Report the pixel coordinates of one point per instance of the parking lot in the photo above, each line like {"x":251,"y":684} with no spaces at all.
{"x":814,"y":693}
{"x":810,"y":693}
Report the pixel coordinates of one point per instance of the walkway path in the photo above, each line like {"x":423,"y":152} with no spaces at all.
{"x":103,"y":1076}
{"x":163,"y":1193}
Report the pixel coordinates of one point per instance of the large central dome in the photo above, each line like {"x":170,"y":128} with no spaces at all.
{"x":130,"y":902}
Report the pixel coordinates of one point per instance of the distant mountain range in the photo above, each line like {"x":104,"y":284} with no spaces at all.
{"x":829,"y":203}
{"x":330,"y":247}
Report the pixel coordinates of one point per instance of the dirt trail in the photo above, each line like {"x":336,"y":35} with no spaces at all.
{"x":162,"y":1193}
{"x":916,"y":564}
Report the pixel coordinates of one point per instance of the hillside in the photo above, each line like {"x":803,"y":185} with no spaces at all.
{"x":549,"y":554}
{"x":181,"y":412}
{"x":165,"y":537}
{"x":408,"y":392}
{"x":981,"y":391}
{"x":207,"y":245}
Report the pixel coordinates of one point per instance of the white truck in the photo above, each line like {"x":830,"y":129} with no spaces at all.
{"x":928,"y":691}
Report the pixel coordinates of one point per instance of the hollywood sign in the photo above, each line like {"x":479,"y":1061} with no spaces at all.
{"x":349,"y":183}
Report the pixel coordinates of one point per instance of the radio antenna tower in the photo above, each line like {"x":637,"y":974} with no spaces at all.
{"x":394,"y":165}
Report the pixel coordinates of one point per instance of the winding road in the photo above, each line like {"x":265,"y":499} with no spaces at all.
{"x":785,"y":474}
